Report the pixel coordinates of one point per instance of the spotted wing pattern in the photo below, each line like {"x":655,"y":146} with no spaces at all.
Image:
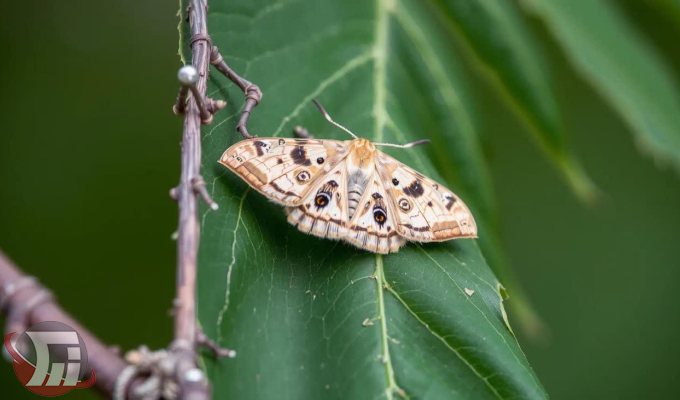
{"x":373,"y":226}
{"x":350,"y":191}
{"x":425,"y":210}
{"x":324,"y":211}
{"x":283,"y":169}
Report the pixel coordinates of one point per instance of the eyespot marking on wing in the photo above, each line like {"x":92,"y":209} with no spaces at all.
{"x":404,"y":204}
{"x":424,"y":210}
{"x":303,"y":176}
{"x":273,"y":166}
{"x":379,"y":215}
{"x":321,"y":200}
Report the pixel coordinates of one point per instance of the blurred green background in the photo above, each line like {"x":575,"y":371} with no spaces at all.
{"x":89,"y":149}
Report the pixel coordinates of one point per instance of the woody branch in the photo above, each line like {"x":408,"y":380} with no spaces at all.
{"x":26,"y":302}
{"x":198,"y":110}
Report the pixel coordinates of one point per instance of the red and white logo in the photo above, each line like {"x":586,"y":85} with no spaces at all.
{"x":50,"y":359}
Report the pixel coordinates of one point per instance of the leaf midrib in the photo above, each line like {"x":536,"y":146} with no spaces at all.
{"x":380,"y":116}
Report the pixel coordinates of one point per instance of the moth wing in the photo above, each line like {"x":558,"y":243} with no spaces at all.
{"x":426,"y":211}
{"x":324,"y":209}
{"x":283,"y":169}
{"x":373,"y":225}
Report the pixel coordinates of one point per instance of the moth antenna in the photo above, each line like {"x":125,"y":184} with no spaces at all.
{"x":404,"y":146}
{"x":328,"y":117}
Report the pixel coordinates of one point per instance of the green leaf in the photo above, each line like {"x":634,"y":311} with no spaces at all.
{"x":669,"y":8}
{"x":500,"y":43}
{"x":616,"y":60}
{"x":313,"y":318}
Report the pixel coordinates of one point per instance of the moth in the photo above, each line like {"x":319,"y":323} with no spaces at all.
{"x":349,"y":190}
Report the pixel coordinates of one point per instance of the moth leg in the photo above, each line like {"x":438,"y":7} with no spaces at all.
{"x":303,"y":132}
{"x":252,"y":92}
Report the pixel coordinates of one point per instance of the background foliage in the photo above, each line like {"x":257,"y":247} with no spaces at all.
{"x":601,"y":277}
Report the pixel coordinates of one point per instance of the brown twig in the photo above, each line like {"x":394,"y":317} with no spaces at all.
{"x":184,"y":346}
{"x":188,"y":337}
{"x":26,"y":302}
{"x":252,"y":92}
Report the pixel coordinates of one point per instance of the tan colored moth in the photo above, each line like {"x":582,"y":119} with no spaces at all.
{"x":349,"y":190}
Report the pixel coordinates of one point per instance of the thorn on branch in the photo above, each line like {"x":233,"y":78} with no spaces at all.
{"x":215,"y":105}
{"x":218,"y":352}
{"x":198,"y":185}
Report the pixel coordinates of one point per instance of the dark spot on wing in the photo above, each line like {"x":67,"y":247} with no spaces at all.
{"x":419,"y":229}
{"x":377,"y":195}
{"x":449,"y":202}
{"x":332,"y":184}
{"x":278,"y":189}
{"x":415,"y":189}
{"x":299,"y":156}
{"x":259,"y":147}
{"x":279,"y":161}
{"x":429,"y":203}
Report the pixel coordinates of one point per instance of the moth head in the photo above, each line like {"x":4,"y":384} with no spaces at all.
{"x":363,"y":146}
{"x":362,"y":151}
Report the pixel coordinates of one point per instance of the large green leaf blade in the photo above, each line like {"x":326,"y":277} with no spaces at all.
{"x":607,"y":50}
{"x":424,"y":45}
{"x":668,"y":9}
{"x":313,"y":318}
{"x":495,"y":34}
